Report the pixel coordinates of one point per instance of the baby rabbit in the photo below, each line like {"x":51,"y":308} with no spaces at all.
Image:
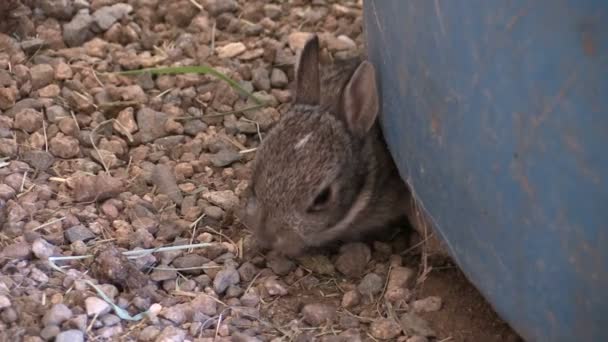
{"x":323,"y":172}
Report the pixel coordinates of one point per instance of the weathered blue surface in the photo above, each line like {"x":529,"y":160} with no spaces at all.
{"x":497,"y":114}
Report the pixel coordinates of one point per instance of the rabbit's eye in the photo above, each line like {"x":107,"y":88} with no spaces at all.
{"x":321,"y":200}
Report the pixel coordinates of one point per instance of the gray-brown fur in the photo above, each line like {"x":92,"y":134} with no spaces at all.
{"x":330,"y":139}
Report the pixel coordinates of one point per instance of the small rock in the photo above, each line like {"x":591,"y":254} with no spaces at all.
{"x":278,"y":78}
{"x":166,"y":273}
{"x":48,"y":333}
{"x":214,"y":212}
{"x":59,"y":9}
{"x":151,"y":124}
{"x":398,"y":281}
{"x":29,"y":120}
{"x":296,"y":40}
{"x":350,"y":299}
{"x":250,"y":299}
{"x":89,"y":188}
{"x":247,"y":271}
{"x":110,"y":320}
{"x":353,"y":258}
{"x":8,"y":147}
{"x":106,"y":16}
{"x":279,"y":264}
{"x":42,"y":75}
{"x":149,"y":333}
{"x":171,"y":334}
{"x":414,"y":325}
{"x":165,"y":180}
{"x":4,"y":302}
{"x":63,"y":71}
{"x":6,"y":192}
{"x":42,"y":249}
{"x":64,"y":146}
{"x":217,"y":7}
{"x":205,"y":304}
{"x":96,"y":306}
{"x":126,"y":121}
{"x":261,"y":79}
{"x":225,"y":199}
{"x":18,"y":250}
{"x":317,"y":263}
{"x":79,"y":233}
{"x":70,"y":336}
{"x":190,"y":261}
{"x":272,"y":11}
{"x":224,"y":278}
{"x":231,"y":50}
{"x":417,"y":339}
{"x":56,"y":315}
{"x":317,"y":314}
{"x":39,"y":160}
{"x":274,"y":287}
{"x":385,"y":329}
{"x":224,"y":158}
{"x":176,"y":314}
{"x":371,"y":285}
{"x":77,"y":31}
{"x":428,"y":304}
{"x":8,"y":96}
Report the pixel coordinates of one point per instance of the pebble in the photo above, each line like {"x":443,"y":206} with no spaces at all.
{"x":278,"y":78}
{"x":261,"y":78}
{"x":224,"y":158}
{"x":64,"y":146}
{"x":42,"y":75}
{"x":279,"y":264}
{"x":5,"y":302}
{"x":296,"y":40}
{"x":275,"y":287}
{"x":398,"y":281}
{"x":190,"y":261}
{"x":385,"y":329}
{"x":247,"y":271}
{"x":351,"y":298}
{"x":176,"y":314}
{"x":317,"y":314}
{"x":371,"y":285}
{"x":60,"y":9}
{"x":205,"y":304}
{"x":171,"y":334}
{"x":224,"y":278}
{"x":48,"y":333}
{"x":415,"y":325}
{"x":79,"y":233}
{"x":96,"y":306}
{"x":225,"y":199}
{"x":125,"y":121}
{"x":29,"y":120}
{"x":353,"y":259}
{"x":8,"y":96}
{"x":214,"y":212}
{"x":417,"y":339}
{"x":6,"y":192}
{"x":230,"y":50}
{"x":106,"y":16}
{"x":56,"y":315}
{"x":149,"y":333}
{"x":110,"y":320}
{"x":18,"y":250}
{"x":77,"y":31}
{"x":151,"y":124}
{"x":272,"y":11}
{"x":428,"y":304}
{"x":8,"y":147}
{"x":70,"y":336}
{"x":166,"y":273}
{"x":42,"y":249}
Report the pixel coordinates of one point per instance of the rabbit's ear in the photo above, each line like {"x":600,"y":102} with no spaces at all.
{"x":307,"y":73}
{"x":361,"y":105}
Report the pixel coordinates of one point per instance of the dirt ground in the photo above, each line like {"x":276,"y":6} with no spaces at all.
{"x":126,"y":170}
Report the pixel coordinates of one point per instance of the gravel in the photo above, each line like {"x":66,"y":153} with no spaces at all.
{"x":96,"y":163}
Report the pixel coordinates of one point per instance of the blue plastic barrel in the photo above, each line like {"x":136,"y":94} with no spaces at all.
{"x":496,"y":113}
